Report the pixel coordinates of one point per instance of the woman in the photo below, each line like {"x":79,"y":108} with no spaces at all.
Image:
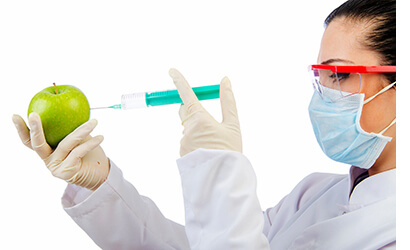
{"x":353,"y":117}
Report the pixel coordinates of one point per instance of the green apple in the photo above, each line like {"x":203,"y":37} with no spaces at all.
{"x":62,"y":109}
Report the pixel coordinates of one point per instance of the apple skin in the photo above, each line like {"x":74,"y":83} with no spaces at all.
{"x":60,"y":113}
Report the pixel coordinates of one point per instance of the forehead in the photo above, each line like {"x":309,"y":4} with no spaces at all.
{"x":342,"y":40}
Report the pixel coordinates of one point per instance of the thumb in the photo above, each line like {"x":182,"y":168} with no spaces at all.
{"x":22,"y":130}
{"x":228,"y":104}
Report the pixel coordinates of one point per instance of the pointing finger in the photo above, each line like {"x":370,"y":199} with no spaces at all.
{"x":185,"y":91}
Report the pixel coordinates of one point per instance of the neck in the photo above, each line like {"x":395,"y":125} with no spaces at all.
{"x":386,"y":160}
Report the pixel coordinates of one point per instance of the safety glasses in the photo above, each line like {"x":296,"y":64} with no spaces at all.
{"x":335,"y":82}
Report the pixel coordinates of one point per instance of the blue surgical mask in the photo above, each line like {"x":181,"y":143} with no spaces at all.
{"x":338,"y":132}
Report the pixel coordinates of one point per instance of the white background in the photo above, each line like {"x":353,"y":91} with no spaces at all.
{"x":109,"y":48}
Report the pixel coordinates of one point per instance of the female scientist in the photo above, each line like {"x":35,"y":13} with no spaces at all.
{"x":353,"y":116}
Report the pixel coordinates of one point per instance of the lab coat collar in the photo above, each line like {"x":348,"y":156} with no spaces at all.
{"x":372,"y":189}
{"x":354,"y":173}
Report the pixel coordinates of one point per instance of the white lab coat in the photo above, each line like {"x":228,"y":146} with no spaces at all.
{"x":222,"y":210}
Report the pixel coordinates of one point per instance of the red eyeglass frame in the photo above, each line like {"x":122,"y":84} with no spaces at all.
{"x":354,"y":69}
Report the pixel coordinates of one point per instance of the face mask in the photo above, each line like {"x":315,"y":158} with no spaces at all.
{"x":338,"y":132}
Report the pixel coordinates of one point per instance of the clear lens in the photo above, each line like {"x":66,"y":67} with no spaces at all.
{"x":334,"y":86}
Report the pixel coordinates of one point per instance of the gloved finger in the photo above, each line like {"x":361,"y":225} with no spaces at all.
{"x":74,"y":139}
{"x":38,"y":141}
{"x":22,"y":130}
{"x":185,"y":113}
{"x":228,"y":104}
{"x":185,"y":91}
{"x":81,"y":150}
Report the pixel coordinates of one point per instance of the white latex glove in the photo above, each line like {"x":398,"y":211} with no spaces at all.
{"x":78,"y":158}
{"x":201,"y":130}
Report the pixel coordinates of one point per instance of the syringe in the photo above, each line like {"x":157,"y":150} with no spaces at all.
{"x":145,"y":99}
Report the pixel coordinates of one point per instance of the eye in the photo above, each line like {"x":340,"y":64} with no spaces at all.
{"x":339,"y":76}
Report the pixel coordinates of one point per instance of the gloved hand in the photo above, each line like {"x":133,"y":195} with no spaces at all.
{"x":78,"y":158}
{"x":201,"y":130}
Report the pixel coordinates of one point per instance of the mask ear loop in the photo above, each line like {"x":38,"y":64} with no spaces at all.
{"x":380,"y":92}
{"x":391,"y":124}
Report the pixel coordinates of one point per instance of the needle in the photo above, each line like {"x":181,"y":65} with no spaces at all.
{"x":100,"y":108}
{"x":117,"y":106}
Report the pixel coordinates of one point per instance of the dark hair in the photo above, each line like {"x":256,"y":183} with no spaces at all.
{"x":381,"y":35}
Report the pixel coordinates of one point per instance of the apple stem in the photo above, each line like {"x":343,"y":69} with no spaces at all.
{"x":55,"y":86}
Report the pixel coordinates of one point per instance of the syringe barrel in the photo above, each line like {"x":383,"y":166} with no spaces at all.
{"x":143,"y":100}
{"x":133,"y":101}
{"x":172,"y":96}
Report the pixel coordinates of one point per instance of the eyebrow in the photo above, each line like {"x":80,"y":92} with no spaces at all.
{"x":336,"y":60}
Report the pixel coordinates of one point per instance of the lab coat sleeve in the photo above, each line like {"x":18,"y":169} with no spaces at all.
{"x":116,"y":216}
{"x":222,"y":210}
